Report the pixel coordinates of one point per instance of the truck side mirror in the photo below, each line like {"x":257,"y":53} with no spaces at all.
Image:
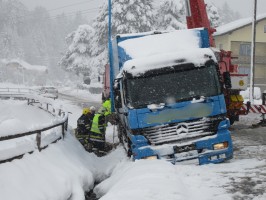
{"x":117,"y":94}
{"x":118,"y":102}
{"x":227,"y":80}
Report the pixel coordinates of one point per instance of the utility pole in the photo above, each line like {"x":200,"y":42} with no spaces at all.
{"x":110,"y":50}
{"x":253,"y":47}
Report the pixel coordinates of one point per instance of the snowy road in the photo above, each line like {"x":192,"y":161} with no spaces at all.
{"x":249,"y":143}
{"x":79,"y":101}
{"x":242,"y":178}
{"x":240,"y":181}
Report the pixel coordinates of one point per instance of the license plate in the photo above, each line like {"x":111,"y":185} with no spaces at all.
{"x":181,"y":149}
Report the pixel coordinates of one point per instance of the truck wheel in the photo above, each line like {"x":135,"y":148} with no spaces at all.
{"x":120,"y":134}
{"x":233,"y":118}
{"x":129,"y":153}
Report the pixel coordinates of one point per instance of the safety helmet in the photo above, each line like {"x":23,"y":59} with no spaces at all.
{"x":85,"y":111}
{"x":92,"y":108}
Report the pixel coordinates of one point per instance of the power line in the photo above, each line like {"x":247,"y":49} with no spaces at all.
{"x":70,"y":5}
{"x":75,"y":12}
{"x":58,"y":8}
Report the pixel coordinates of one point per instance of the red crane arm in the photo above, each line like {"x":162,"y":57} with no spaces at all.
{"x":197,"y":17}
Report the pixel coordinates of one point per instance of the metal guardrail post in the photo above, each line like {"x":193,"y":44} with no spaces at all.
{"x":63,"y":130}
{"x":66,"y":124}
{"x":38,"y":140}
{"x":263,"y":98}
{"x":263,"y":103}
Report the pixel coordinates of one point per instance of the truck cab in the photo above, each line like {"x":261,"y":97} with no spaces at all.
{"x":169,"y":98}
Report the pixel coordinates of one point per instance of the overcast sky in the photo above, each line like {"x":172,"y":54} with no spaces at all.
{"x":89,"y":7}
{"x":244,"y":7}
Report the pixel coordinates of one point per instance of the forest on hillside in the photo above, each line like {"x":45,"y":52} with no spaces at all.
{"x":68,"y":40}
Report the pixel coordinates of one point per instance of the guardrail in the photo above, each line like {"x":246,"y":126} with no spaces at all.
{"x":38,"y":139}
{"x":16,"y":92}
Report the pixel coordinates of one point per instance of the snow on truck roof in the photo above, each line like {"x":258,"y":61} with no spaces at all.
{"x":196,"y":56}
{"x":167,"y":49}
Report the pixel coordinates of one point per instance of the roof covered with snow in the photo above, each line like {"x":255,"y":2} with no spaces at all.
{"x":27,"y":66}
{"x":237,"y":24}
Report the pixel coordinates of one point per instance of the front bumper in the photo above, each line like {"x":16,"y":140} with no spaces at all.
{"x":201,"y":149}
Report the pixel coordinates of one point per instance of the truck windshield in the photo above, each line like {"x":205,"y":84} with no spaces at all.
{"x":173,"y":87}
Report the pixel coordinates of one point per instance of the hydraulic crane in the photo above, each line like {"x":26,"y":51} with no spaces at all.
{"x":196,"y":18}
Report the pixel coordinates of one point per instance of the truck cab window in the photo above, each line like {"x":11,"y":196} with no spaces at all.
{"x":181,"y":86}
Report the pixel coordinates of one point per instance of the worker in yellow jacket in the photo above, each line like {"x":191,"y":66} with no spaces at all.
{"x":107,"y":106}
{"x":109,"y":116}
{"x":97,"y":131}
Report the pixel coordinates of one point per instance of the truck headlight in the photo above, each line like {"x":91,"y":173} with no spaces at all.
{"x":151,"y":158}
{"x":222,"y":145}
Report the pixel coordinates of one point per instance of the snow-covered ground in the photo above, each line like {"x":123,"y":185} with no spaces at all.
{"x":64,"y":169}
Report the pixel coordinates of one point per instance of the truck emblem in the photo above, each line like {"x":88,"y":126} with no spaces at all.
{"x":181,"y":128}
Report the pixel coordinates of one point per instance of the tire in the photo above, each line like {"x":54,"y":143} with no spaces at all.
{"x":120,"y":134}
{"x":129,"y":153}
{"x":232,"y":120}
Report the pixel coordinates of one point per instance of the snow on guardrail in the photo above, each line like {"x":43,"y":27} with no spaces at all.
{"x":19,"y":93}
{"x":16,"y":145}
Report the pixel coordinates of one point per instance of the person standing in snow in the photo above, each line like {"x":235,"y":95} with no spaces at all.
{"x":107,"y":106}
{"x":97,"y":132}
{"x":83,"y":127}
{"x":109,"y":116}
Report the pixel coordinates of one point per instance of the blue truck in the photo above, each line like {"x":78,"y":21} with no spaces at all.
{"x":167,"y":93}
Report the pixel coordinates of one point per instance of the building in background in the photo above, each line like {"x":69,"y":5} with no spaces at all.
{"x":20,"y":72}
{"x":236,"y":37}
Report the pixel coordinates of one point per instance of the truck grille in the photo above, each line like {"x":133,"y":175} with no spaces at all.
{"x":183,"y":131}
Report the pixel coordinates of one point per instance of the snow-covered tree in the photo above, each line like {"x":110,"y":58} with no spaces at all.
{"x":11,"y":28}
{"x":78,"y":56}
{"x":227,"y":14}
{"x":128,"y":16}
{"x":33,"y":35}
{"x":213,"y":15}
{"x":171,"y":15}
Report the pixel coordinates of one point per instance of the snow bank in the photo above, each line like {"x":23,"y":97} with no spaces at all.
{"x":142,"y":180}
{"x":18,"y":118}
{"x":157,"y":180}
{"x":62,"y":170}
{"x":257,"y":93}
